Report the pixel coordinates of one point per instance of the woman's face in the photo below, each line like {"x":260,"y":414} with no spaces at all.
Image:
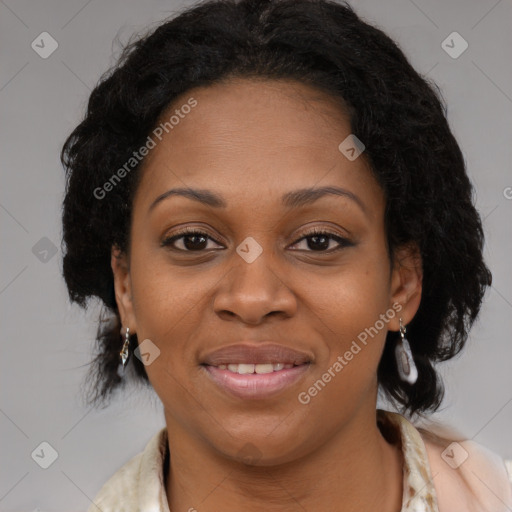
{"x":254,"y":276}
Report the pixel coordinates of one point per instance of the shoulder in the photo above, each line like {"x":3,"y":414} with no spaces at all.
{"x":443,"y":472}
{"x":467,"y":476}
{"x":138,"y":484}
{"x":119,"y":492}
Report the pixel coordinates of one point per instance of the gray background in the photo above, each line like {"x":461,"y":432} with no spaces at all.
{"x":46,"y":343}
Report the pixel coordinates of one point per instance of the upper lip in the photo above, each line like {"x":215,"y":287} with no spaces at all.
{"x":256,"y":354}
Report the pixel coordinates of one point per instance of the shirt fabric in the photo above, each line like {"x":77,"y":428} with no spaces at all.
{"x":439,"y":475}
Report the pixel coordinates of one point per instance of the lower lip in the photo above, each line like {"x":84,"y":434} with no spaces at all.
{"x":254,"y":385}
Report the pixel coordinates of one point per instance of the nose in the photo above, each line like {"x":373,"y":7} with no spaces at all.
{"x":252,"y":291}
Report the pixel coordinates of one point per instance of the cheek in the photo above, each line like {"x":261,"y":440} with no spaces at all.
{"x":168,"y":310}
{"x":351,"y":297}
{"x":164,"y":297}
{"x":353,"y":306}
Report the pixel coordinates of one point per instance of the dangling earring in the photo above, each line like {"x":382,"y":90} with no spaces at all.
{"x":125,"y":352}
{"x":404,"y":360}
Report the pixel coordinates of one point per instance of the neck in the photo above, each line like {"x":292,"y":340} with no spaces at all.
{"x":356,"y":469}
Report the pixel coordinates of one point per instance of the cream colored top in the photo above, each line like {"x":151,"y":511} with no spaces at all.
{"x":439,"y":475}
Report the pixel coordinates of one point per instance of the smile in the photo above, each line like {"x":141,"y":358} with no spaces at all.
{"x":246,"y":368}
{"x":256,"y":381}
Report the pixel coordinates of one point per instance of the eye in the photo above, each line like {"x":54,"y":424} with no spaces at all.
{"x":193,"y":240}
{"x":319,"y":240}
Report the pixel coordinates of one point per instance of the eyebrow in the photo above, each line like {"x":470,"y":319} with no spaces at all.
{"x":294,"y":199}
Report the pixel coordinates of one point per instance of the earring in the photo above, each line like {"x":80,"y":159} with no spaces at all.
{"x":125,"y":352}
{"x":404,"y":360}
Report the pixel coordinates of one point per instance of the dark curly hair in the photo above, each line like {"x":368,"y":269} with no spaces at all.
{"x":398,"y":114}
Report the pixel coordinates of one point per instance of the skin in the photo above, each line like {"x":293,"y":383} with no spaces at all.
{"x":251,"y":142}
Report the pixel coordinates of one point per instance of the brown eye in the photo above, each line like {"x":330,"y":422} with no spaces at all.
{"x":192,"y":240}
{"x":319,"y":241}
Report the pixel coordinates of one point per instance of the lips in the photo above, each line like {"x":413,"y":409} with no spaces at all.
{"x":250,"y":354}
{"x":256,"y":372}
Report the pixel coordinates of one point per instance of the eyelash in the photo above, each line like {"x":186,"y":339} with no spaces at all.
{"x":313,"y":232}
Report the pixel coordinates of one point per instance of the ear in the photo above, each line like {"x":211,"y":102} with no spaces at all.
{"x":123,"y":288}
{"x":406,"y":283}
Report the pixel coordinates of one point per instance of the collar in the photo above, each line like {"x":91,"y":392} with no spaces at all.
{"x":419,"y":494}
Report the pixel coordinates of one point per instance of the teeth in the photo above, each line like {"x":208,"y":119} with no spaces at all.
{"x":254,"y":368}
{"x":241,"y":368}
{"x":263,"y":368}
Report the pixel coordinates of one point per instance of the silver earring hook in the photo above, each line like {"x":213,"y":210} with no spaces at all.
{"x":125,"y":352}
{"x":403,"y":330}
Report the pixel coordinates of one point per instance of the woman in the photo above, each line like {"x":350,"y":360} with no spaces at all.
{"x":270,"y":203}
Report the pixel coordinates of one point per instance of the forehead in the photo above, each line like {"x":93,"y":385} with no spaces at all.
{"x":247,"y":138}
{"x":269,"y":113}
